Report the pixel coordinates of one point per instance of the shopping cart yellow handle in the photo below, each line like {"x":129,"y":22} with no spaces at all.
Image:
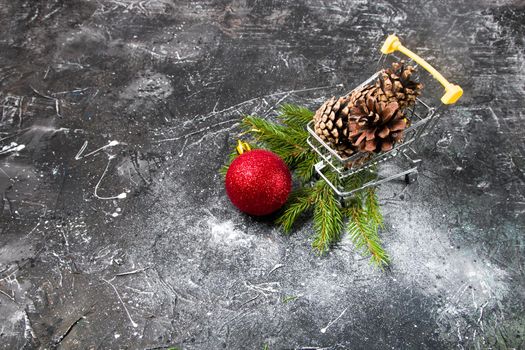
{"x":452,"y":92}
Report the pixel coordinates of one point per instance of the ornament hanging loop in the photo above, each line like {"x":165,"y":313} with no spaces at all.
{"x":242,"y":147}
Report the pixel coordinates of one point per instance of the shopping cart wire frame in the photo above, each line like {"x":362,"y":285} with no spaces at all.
{"x":423,"y":118}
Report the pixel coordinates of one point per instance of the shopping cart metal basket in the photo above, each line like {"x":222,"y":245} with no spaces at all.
{"x":422,"y":115}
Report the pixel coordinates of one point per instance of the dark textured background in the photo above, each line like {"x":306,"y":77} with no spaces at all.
{"x":169,"y":80}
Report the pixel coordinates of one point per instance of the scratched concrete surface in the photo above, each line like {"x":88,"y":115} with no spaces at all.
{"x":132,"y":244}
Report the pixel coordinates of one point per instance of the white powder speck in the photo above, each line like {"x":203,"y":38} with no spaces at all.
{"x":225,"y":234}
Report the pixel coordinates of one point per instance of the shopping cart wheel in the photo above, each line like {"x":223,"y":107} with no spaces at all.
{"x":411,"y":177}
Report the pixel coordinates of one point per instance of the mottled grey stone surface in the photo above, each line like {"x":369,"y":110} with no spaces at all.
{"x":173,"y":263}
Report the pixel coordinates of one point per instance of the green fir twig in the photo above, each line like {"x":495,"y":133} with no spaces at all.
{"x":288,"y":143}
{"x":328,"y":218}
{"x":363,"y":231}
{"x":300,"y":201}
{"x":295,"y":116}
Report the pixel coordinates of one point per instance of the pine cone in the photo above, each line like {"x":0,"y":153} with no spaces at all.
{"x":371,"y":118}
{"x":331,"y":124}
{"x":395,"y":85}
{"x":375,"y":126}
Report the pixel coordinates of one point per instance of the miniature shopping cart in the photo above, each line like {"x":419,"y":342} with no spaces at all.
{"x":423,"y":117}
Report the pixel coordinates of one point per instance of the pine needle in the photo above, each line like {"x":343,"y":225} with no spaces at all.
{"x":295,"y":116}
{"x":363,"y":231}
{"x":328,"y":218}
{"x":305,"y":166}
{"x":299,"y":201}
{"x":286,"y":142}
{"x":372,"y":207}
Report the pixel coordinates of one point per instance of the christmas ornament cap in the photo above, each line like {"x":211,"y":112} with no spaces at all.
{"x":258,"y":182}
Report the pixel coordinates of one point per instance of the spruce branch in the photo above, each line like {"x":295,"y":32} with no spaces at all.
{"x":300,"y":200}
{"x":286,"y":142}
{"x":373,"y":209}
{"x":327,"y":218}
{"x":363,"y":232}
{"x":357,"y":180}
{"x":295,"y":116}
{"x":304,"y":168}
{"x":263,"y":129}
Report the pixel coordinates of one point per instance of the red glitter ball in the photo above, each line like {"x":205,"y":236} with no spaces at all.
{"x":258,"y":182}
